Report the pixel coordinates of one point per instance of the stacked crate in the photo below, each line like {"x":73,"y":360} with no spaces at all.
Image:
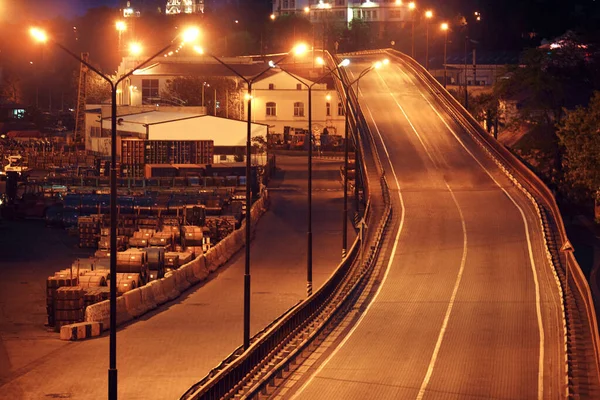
{"x":53,"y":283}
{"x":95,"y":295}
{"x":132,"y":158}
{"x":68,"y":306}
{"x":89,"y":230}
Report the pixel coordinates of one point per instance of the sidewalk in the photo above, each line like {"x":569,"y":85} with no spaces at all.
{"x":163,"y":353}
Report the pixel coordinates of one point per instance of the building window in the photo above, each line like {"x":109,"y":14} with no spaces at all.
{"x":292,"y":3}
{"x":298,"y":109}
{"x":149,"y":90}
{"x":328,"y":109}
{"x":271,"y":109}
{"x":340,"y":2}
{"x":298,"y":86}
{"x":285,"y":3}
{"x":340,"y":109}
{"x":271,"y":86}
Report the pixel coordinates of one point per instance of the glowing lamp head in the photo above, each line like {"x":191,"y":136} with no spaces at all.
{"x":445,"y":26}
{"x":328,"y":97}
{"x":198,"y":49}
{"x":386,"y":61}
{"x":429,"y":14}
{"x":39,"y":35}
{"x":320,"y":61}
{"x":135,"y":49}
{"x":190,"y":35}
{"x":273,"y":17}
{"x":121,"y":26}
{"x":345,"y":62}
{"x":247,"y":97}
{"x":412,"y":5}
{"x":271,"y":64}
{"x":306,"y":10}
{"x":378,"y":64}
{"x":300,"y":49}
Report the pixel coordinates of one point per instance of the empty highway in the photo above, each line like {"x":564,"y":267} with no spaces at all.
{"x":469,"y":307}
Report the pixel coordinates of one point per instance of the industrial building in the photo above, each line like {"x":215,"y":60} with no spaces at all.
{"x":172,"y":137}
{"x":278,"y":99}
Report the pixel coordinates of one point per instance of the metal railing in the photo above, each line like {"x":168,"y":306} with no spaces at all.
{"x":236,"y":370}
{"x":582,"y":340}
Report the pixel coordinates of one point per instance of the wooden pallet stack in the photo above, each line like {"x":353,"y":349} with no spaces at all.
{"x":89,"y":231}
{"x":69,"y":306}
{"x":53,"y":283}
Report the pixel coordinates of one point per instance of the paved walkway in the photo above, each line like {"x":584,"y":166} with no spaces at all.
{"x":166,"y":351}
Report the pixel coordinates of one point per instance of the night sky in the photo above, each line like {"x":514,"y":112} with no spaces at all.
{"x":54,"y":8}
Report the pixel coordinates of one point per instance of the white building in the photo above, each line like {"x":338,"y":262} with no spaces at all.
{"x":346,"y":10}
{"x":228,"y":136}
{"x":279,"y":100}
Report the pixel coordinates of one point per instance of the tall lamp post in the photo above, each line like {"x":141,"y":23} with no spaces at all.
{"x":428,"y":15}
{"x":345,"y":62}
{"x":337,"y":74}
{"x":412,"y":6}
{"x":444,"y":28}
{"x":40,"y":36}
{"x":298,"y":50}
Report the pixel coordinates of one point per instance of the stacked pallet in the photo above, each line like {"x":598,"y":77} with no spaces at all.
{"x":93,"y":295}
{"x":68,"y":306}
{"x":53,"y":283}
{"x":148,"y":223}
{"x":89,"y":231}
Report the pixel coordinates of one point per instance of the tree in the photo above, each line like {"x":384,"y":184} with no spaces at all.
{"x":188,"y":90}
{"x":579,"y":134}
{"x":485,"y":108}
{"x":11,"y":90}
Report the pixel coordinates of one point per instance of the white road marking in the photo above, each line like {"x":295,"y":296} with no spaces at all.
{"x":463,"y":260}
{"x":438,"y":344}
{"x":343,"y":342}
{"x":540,"y":388}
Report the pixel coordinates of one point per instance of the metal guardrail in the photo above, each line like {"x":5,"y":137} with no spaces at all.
{"x":226,"y":378}
{"x":580,"y":316}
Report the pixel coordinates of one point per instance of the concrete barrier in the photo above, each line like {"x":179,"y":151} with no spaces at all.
{"x":123,"y":314}
{"x":188,"y":272}
{"x":99,"y":312}
{"x":80,"y":330}
{"x":157,"y":289}
{"x":211,"y":261}
{"x":200,"y":270}
{"x":133,"y":303}
{"x":148,"y":297}
{"x":169,"y":287}
{"x":181,"y":283}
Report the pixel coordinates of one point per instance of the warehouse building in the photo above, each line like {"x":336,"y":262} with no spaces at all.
{"x":188,"y":133}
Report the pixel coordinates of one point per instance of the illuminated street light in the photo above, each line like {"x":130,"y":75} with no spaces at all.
{"x":428,"y":15}
{"x":310,"y":147}
{"x":412,"y":6}
{"x":41,"y":36}
{"x":306,"y":10}
{"x":190,"y":35}
{"x":135,"y":49}
{"x":444,"y":28}
{"x":273,"y":17}
{"x":198,"y":49}
{"x":299,"y":49}
{"x":121,"y":26}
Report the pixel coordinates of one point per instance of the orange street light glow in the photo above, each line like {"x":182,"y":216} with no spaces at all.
{"x":273,"y":17}
{"x":190,"y":35}
{"x":429,"y":14}
{"x":198,"y":49}
{"x":38,"y":35}
{"x":445,"y":26}
{"x":412,"y":5}
{"x":121,"y":26}
{"x":300,"y":49}
{"x":135,"y":49}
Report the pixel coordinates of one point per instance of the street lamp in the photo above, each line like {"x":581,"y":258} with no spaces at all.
{"x":375,"y":65}
{"x":40,"y":36}
{"x":297,"y":50}
{"x":428,"y":15}
{"x":204,"y":84}
{"x":412,"y":6}
{"x":135,"y":49}
{"x":345,"y":62}
{"x":444,"y":28}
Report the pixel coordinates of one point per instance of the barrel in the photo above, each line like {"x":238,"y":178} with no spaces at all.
{"x":88,"y":281}
{"x":138,"y":242}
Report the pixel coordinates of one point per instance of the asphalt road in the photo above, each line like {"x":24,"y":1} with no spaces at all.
{"x":468,"y":307}
{"x":162,"y":354}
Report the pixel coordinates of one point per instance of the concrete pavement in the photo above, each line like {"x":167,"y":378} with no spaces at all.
{"x":168,"y":350}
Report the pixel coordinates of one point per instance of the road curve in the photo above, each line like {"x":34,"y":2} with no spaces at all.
{"x":469,"y":306}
